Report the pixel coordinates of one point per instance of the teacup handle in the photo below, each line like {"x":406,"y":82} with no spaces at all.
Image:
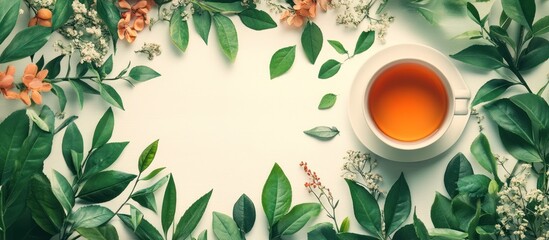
{"x":461,"y":101}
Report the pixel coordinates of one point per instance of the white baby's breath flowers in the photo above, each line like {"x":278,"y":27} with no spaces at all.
{"x":150,"y":49}
{"x":359,"y":166}
{"x":21,"y":11}
{"x":37,"y":4}
{"x":62,"y":48}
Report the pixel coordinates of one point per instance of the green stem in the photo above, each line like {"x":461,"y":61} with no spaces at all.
{"x":521,"y":79}
{"x":129,"y":196}
{"x":56,"y":80}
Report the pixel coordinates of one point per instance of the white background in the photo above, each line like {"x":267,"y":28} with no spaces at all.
{"x":223,"y":125}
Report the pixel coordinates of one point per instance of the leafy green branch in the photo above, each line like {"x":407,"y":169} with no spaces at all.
{"x":332,"y":66}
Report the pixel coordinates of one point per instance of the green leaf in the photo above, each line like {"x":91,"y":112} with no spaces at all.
{"x":535,"y":54}
{"x":105,"y":186}
{"x":504,"y":20}
{"x":296,"y":219}
{"x":110,"y":15}
{"x":398,"y":205}
{"x":72,"y":141}
{"x":90,"y":216}
{"x":474,"y":185}
{"x":511,"y":118}
{"x":473,"y":34}
{"x":152,"y":174}
{"x":143,"y":73}
{"x":145,"y":230}
{"x":61,"y":13}
{"x":202,"y":23}
{"x":539,"y":28}
{"x":345,"y":225}
{"x":406,"y":233}
{"x":327,"y":101}
{"x":40,"y":63}
{"x":322,"y":132}
{"x":491,"y":90}
{"x":522,"y":11}
{"x":54,"y":67}
{"x":338,"y":46}
{"x":459,"y":167}
{"x":79,"y":92}
{"x":354,"y":236}
{"x":447,"y":234}
{"x":25,"y":43}
{"x":46,"y":211}
{"x":60,"y":93}
{"x":366,"y":208}
{"x":518,"y":148}
{"x":421,"y":230}
{"x":473,"y":14}
{"x":244,"y":213}
{"x":107,"y":232}
{"x":63,"y":191}
{"x":203,"y":235}
{"x":85,"y":88}
{"x":191,"y":217}
{"x":33,"y":116}
{"x":168,"y":205}
{"x":103,"y":157}
{"x":483,"y":154}
{"x":311,"y":40}
{"x":136,"y":217}
{"x":256,"y":19}
{"x":463,"y":210}
{"x":224,"y":227}
{"x":484,"y":56}
{"x":322,"y":231}
{"x":276,"y":197}
{"x":281,"y":61}
{"x":13,"y":131}
{"x":535,"y":107}
{"x":107,"y":66}
{"x":145,"y":197}
{"x":364,"y":42}
{"x":147,"y":156}
{"x":103,"y":130}
{"x":179,"y":30}
{"x":473,"y":224}
{"x":500,"y":35}
{"x":110,"y":95}
{"x":329,"y":69}
{"x":441,"y":213}
{"x":223,"y":7}
{"x":428,"y":15}
{"x":9,"y":11}
{"x":226,"y":34}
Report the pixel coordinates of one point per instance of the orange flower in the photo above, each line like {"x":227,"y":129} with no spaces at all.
{"x":302,"y":9}
{"x":33,"y":80}
{"x":6,"y":83}
{"x":324,"y":4}
{"x":42,"y":18}
{"x":124,"y":29}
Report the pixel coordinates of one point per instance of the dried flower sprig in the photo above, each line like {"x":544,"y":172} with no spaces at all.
{"x":151,"y":50}
{"x":361,"y":165}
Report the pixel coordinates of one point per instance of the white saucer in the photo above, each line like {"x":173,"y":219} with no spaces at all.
{"x":366,"y":73}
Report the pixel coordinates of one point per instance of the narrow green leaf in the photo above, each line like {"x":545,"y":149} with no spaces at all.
{"x":256,"y":19}
{"x":107,"y":232}
{"x":62,"y":190}
{"x":448,"y":234}
{"x":103,"y":130}
{"x":428,"y":15}
{"x":9,"y":11}
{"x":145,"y":230}
{"x":511,"y":118}
{"x":522,"y":11}
{"x":40,"y":62}
{"x":535,"y":54}
{"x":541,"y":26}
{"x":110,"y":95}
{"x":224,"y":7}
{"x":535,"y":106}
{"x":322,"y":132}
{"x":329,"y":69}
{"x":281,"y":61}
{"x":191,"y":217}
{"x":484,"y":56}
{"x":60,"y":93}
{"x":105,"y":186}
{"x":14,"y":131}
{"x":338,"y":46}
{"x":179,"y":30}
{"x":421,"y":230}
{"x":500,"y":34}
{"x":504,"y":20}
{"x":345,"y":225}
{"x":143,"y":73}
{"x":311,"y":40}
{"x":276,"y":197}
{"x":46,"y":211}
{"x":296,"y":219}
{"x":72,"y":141}
{"x":224,"y":227}
{"x":459,"y":167}
{"x":202,"y":23}
{"x":322,"y":231}
{"x":25,"y":43}
{"x":473,"y":224}
{"x":473,"y":14}
{"x":54,"y":67}
{"x":103,"y":157}
{"x":407,"y":232}
{"x":491,"y":90}
{"x":79,"y":92}
{"x":327,"y":101}
{"x":203,"y":235}
{"x":136,"y":217}
{"x":90,"y":216}
{"x":398,"y":205}
{"x":354,"y":236}
{"x":366,"y":208}
{"x":168,"y":205}
{"x":472,"y":34}
{"x":226,"y":35}
{"x":364,"y":42}
{"x":109,"y":13}
{"x":145,"y":197}
{"x":474,"y":185}
{"x":244,"y":213}
{"x":441,"y":213}
{"x":483,"y":154}
{"x":61,"y":13}
{"x":147,"y":156}
{"x":518,"y":148}
{"x":152,"y":174}
{"x":107,"y":66}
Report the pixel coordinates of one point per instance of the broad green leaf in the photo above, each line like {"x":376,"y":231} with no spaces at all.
{"x":327,"y":101}
{"x":145,"y":230}
{"x":147,"y":200}
{"x":90,"y":216}
{"x":322,"y":231}
{"x":311,"y":41}
{"x":46,"y":211}
{"x":203,"y":235}
{"x":191,"y":217}
{"x":147,"y":156}
{"x":62,"y":190}
{"x":79,"y":92}
{"x":428,"y":14}
{"x":179,"y":30}
{"x":483,"y":154}
{"x":13,"y":131}
{"x":60,"y":93}
{"x":535,"y":54}
{"x":535,"y":106}
{"x":168,"y":205}
{"x":54,"y":67}
{"x":25,"y":228}
{"x":25,"y":43}
{"x":474,"y":185}
{"x":296,"y":219}
{"x":322,"y":132}
{"x":152,"y":174}
{"x":463,"y":210}
{"x":244,"y":213}
{"x":281,"y":61}
{"x":484,"y":56}
{"x":459,"y":167}
{"x":107,"y":232}
{"x":406,"y":233}
{"x":522,"y":11}
{"x":224,"y":227}
{"x":61,"y":13}
{"x":364,"y":42}
{"x":518,"y":148}
{"x":109,"y":13}
{"x":9,"y":11}
{"x":256,"y":19}
{"x":491,"y":90}
{"x":143,"y":73}
{"x":227,"y":36}
{"x":153,"y":188}
{"x":421,"y":230}
{"x":541,"y":26}
{"x":223,"y":7}
{"x":85,"y":88}
{"x":473,"y":224}
{"x":72,"y":141}
{"x":276,"y":197}
{"x":105,"y":186}
{"x":448,"y":234}
{"x":366,"y":208}
{"x":329,"y":69}
{"x":354,"y":236}
{"x":110,"y":95}
{"x":441,"y":213}
{"x":103,"y":130}
{"x":103,"y":157}
{"x":511,"y":118}
{"x":202,"y":23}
{"x":472,"y":34}
{"x":338,"y":46}
{"x":473,"y":14}
{"x":107,"y":66}
{"x":136,"y":217}
{"x":398,"y":205}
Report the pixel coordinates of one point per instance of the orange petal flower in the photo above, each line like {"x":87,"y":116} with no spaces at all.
{"x":324,"y":4}
{"x":124,"y":5}
{"x":6,"y":83}
{"x":34,"y":81}
{"x":139,"y":24}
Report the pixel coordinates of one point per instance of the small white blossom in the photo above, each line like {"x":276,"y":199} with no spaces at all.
{"x":21,"y":11}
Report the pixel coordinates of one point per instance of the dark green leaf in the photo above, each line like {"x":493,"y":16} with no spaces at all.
{"x":61,"y":13}
{"x":63,"y":191}
{"x":441,"y":213}
{"x":110,"y":15}
{"x":519,"y":148}
{"x":25,"y":43}
{"x":281,"y":61}
{"x":105,"y":186}
{"x":322,"y":132}
{"x":276,"y":197}
{"x":143,"y":73}
{"x":406,"y":233}
{"x":296,"y":219}
{"x":329,"y":69}
{"x":103,"y":130}
{"x":202,"y":23}
{"x":152,"y":174}
{"x":224,"y":227}
{"x":398,"y":205}
{"x":510,"y":117}
{"x":227,"y":36}
{"x":354,"y":236}
{"x":472,"y":226}
{"x":13,"y":131}
{"x":179,"y":30}
{"x":491,"y":90}
{"x":484,"y":56}
{"x":311,"y":40}
{"x":500,"y":34}
{"x":110,"y":95}
{"x":107,"y":66}
{"x":535,"y":106}
{"x":535,"y":54}
{"x":327,"y":101}
{"x":463,"y":210}
{"x":107,"y":232}
{"x":504,"y":20}
{"x":145,"y":197}
{"x":60,"y":93}
{"x":145,"y":230}
{"x":224,"y":7}
{"x":25,"y":228}
{"x":86,"y":88}
{"x":256,"y":19}
{"x":364,"y":42}
{"x":46,"y":211}
{"x":54,"y":67}
{"x":79,"y":92}
{"x":338,"y":46}
{"x":136,"y":217}
{"x":191,"y":217}
{"x":40,"y":63}
{"x":447,"y":234}
{"x":474,"y":185}
{"x":168,"y":205}
{"x":540,"y":27}
{"x":366,"y":208}
{"x":9,"y":11}
{"x":147,"y":156}
{"x":483,"y":154}
{"x":421,"y":230}
{"x":459,"y":167}
{"x":473,"y":14}
{"x":90,"y":216}
{"x":322,"y":231}
{"x":522,"y":11}
{"x":244,"y":213}
{"x":103,"y":157}
{"x":81,"y":69}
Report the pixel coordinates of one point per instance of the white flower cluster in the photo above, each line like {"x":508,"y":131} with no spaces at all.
{"x":167,"y":11}
{"x":275,"y":6}
{"x":362,"y":164}
{"x":353,"y":12}
{"x":63,"y":48}
{"x":87,"y":33}
{"x":523,"y":213}
{"x":150,"y":49}
{"x":38,"y":4}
